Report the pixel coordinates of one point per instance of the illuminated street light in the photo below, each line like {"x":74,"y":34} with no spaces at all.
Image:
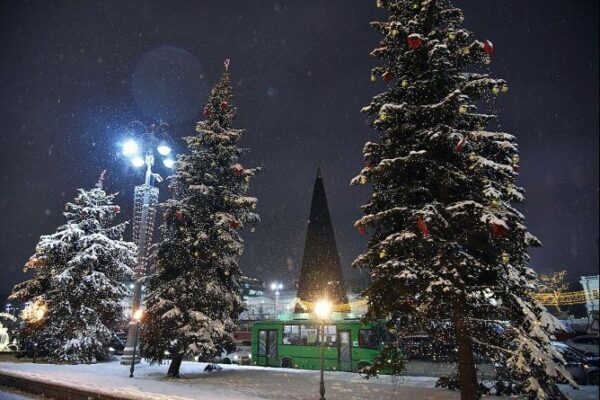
{"x":130,"y":147}
{"x":323,"y":311}
{"x":137,"y":316}
{"x":169,"y":162}
{"x":142,"y":146}
{"x":276,"y":287}
{"x":163,"y":149}
{"x":138,"y":161}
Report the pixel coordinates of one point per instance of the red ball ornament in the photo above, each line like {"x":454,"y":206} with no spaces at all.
{"x":224,"y":105}
{"x":117,"y":209}
{"x":488,"y":47}
{"x":388,"y":76}
{"x":499,"y":231}
{"x":414,"y":41}
{"x":207,"y":111}
{"x":234,"y":224}
{"x":362,"y":231}
{"x":368,"y":166}
{"x":460,"y":145}
{"x":238,"y":170}
{"x":178,"y":215}
{"x":422,"y":226}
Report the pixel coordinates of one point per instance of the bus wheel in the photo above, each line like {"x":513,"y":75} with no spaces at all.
{"x":363,"y":369}
{"x":287,"y":363}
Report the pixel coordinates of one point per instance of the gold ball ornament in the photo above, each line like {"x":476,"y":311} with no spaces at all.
{"x":404,"y":83}
{"x":451,"y":35}
{"x":487,"y":60}
{"x":515,"y":159}
{"x":462,"y":109}
{"x":505,"y":257}
{"x":394,"y":33}
{"x":495,"y":203}
{"x":382,"y":254}
{"x":495,"y":90}
{"x":383,"y":116}
{"x":472,"y":156}
{"x":197,"y":253}
{"x":504,"y":89}
{"x":373,"y":78}
{"x":379,"y":3}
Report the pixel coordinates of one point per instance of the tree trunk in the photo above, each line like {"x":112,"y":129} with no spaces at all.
{"x":175,"y":365}
{"x":466,"y":363}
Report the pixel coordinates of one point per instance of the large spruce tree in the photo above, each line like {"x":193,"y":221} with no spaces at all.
{"x":75,"y":301}
{"x":448,"y":252}
{"x":193,"y":301}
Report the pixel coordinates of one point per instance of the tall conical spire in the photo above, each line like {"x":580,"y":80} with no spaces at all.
{"x":321,"y":273}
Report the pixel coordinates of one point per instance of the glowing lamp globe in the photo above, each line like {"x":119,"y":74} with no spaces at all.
{"x":137,"y":161}
{"x":323,"y":309}
{"x":138,"y":314}
{"x":163,"y":149}
{"x":130,"y":147}
{"x":169,"y":162}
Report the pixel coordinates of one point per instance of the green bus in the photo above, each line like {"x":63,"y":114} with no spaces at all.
{"x":349,"y":344}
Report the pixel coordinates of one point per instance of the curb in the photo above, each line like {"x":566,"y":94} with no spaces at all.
{"x":53,"y":390}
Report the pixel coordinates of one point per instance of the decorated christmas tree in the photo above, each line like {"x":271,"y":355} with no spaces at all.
{"x":193,"y":301}
{"x":448,"y":251}
{"x":75,"y":300}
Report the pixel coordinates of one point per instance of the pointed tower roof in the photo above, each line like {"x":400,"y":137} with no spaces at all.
{"x":321,"y":274}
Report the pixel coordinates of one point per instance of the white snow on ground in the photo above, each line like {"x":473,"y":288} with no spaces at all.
{"x":235,"y":383}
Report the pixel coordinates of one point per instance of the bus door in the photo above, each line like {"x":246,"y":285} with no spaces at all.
{"x":267,"y":348}
{"x":345,"y":355}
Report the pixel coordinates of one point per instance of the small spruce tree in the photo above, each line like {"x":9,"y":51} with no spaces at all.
{"x":194,"y":301}
{"x":448,"y":253}
{"x":75,"y":301}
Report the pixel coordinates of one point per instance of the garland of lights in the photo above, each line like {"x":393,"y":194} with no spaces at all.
{"x":548,"y":299}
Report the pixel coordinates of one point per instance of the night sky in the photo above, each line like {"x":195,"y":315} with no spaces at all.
{"x":74,"y":73}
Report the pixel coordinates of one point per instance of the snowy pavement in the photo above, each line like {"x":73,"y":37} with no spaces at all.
{"x":234,"y":383}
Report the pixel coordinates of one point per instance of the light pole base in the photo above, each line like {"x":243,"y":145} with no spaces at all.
{"x":128,"y":351}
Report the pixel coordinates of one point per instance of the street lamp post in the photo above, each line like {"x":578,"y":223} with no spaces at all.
{"x":276,"y":287}
{"x":323,"y":311}
{"x":137,"y":316}
{"x":139,"y":148}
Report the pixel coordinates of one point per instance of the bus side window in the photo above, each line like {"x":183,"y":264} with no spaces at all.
{"x":262,"y":343}
{"x":308,"y":335}
{"x":291,"y":334}
{"x":367,"y":339}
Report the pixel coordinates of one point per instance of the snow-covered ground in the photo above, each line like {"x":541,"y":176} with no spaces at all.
{"x":235,"y":383}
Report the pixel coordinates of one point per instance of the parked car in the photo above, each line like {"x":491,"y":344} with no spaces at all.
{"x":242,"y":356}
{"x":584,"y":369}
{"x":424,"y":347}
{"x":585,"y":343}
